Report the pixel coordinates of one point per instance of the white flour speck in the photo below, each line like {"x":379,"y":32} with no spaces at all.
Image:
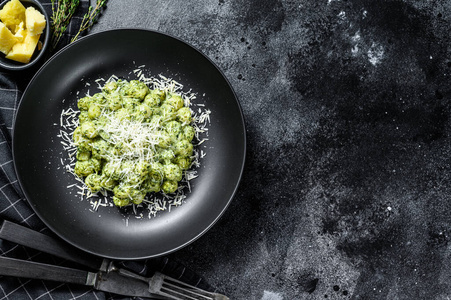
{"x":356,"y":37}
{"x":267,"y":295}
{"x":375,"y":54}
{"x":364,"y":14}
{"x":355,"y":40}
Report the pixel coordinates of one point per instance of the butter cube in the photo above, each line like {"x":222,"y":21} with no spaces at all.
{"x":7,"y":39}
{"x":20,"y":32}
{"x":12,"y":14}
{"x":34,"y":21}
{"x":22,"y":52}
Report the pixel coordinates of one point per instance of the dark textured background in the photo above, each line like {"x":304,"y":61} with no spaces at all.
{"x":346,"y":190}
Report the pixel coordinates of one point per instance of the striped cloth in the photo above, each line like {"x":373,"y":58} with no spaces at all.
{"x":14,"y":207}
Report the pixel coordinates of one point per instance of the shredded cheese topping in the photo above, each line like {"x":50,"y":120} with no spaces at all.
{"x":143,"y":135}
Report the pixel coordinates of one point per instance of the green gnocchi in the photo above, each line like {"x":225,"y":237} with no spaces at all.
{"x":132,"y":140}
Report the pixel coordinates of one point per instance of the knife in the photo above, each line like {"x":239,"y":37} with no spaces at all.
{"x":103,"y":278}
{"x":27,"y":237}
{"x":103,"y":275}
{"x":111,"y":282}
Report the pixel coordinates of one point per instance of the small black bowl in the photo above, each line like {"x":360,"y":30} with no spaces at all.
{"x":45,"y":39}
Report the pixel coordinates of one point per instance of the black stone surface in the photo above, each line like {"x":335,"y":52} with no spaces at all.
{"x":346,"y":192}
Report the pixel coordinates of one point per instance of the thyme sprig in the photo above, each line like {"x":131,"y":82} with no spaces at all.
{"x":62,"y":13}
{"x":90,"y":18}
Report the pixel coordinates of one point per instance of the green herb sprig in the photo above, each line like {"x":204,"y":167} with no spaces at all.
{"x":90,"y":18}
{"x":62,"y":12}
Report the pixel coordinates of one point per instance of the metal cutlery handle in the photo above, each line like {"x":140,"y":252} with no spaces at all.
{"x":27,"y":237}
{"x":34,"y":270}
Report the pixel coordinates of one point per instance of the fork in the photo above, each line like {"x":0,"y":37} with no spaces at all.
{"x":159,"y":284}
{"x":163,"y":285}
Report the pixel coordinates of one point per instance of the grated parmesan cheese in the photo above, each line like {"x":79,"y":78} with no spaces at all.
{"x":153,"y":203}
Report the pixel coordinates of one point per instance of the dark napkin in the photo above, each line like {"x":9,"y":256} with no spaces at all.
{"x":15,"y":208}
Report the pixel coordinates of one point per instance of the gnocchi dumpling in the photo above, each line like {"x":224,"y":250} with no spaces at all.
{"x":133,"y":140}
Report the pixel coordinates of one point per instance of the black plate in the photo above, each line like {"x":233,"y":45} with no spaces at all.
{"x":37,"y":149}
